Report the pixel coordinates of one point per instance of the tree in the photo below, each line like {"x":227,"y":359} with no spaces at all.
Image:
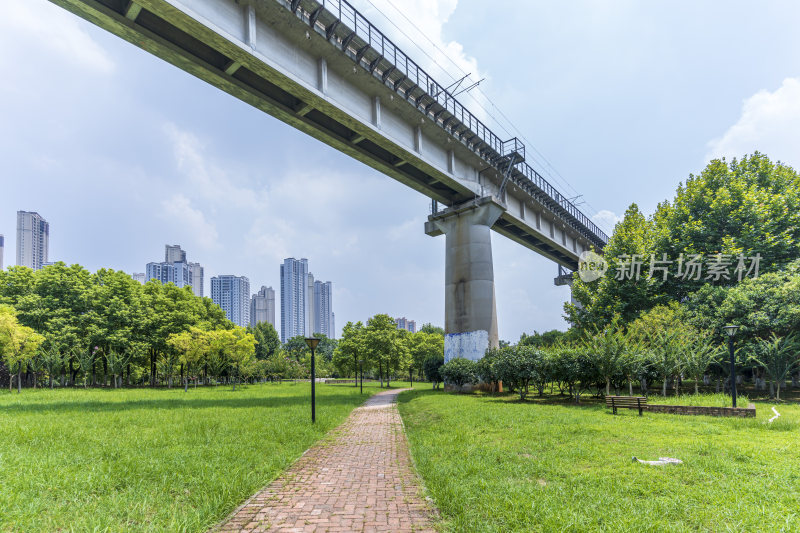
{"x":430,"y":328}
{"x":267,"y":339}
{"x":297,"y":348}
{"x":432,"y":368}
{"x":116,"y":364}
{"x":384,"y":346}
{"x":746,"y":207}
{"x":240,"y":346}
{"x":350,"y":349}
{"x":778,"y":356}
{"x":698,"y":353}
{"x":608,"y":348}
{"x":543,"y":340}
{"x":51,"y":359}
{"x":422,"y":346}
{"x":518,"y":366}
{"x":18,"y":343}
{"x":193,"y":346}
{"x":458,"y":371}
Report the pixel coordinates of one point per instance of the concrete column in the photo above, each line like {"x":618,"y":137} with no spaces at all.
{"x":470,"y":308}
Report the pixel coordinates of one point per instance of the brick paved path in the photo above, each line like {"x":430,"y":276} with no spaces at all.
{"x":358,"y":478}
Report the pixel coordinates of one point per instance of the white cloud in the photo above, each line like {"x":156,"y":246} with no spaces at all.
{"x":606,"y":220}
{"x":422,"y":39}
{"x":769,"y":123}
{"x":191,"y":223}
{"x":30,"y":25}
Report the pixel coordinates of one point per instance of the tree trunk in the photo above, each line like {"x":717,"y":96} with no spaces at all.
{"x":19,"y":378}
{"x":608,"y":386}
{"x":778,"y":390}
{"x":664,"y":388}
{"x":771,"y":388}
{"x":696,"y":387}
{"x":380,"y":373}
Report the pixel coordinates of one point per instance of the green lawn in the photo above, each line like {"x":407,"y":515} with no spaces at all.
{"x":151,"y":460}
{"x":494,"y":464}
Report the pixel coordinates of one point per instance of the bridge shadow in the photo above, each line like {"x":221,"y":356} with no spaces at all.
{"x":188,"y":403}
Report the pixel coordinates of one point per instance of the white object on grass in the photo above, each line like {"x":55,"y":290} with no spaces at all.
{"x":777,"y":414}
{"x":661,"y":461}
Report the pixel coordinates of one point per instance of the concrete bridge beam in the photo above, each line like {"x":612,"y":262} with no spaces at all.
{"x":470,"y":307}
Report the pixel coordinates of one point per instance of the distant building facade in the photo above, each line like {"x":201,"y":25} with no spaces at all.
{"x":294,"y":285}
{"x":232,"y":294}
{"x":262,"y":307}
{"x":196,"y":278}
{"x":176,"y":269}
{"x":404,"y":323}
{"x":174,"y":254}
{"x":323,"y":309}
{"x":177,"y":273}
{"x":311,"y":326}
{"x":33,"y":240}
{"x":141,"y":277}
{"x":2,"y":247}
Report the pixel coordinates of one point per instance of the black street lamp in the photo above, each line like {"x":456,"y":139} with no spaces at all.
{"x":361,"y":364}
{"x":731,"y":331}
{"x":312,"y":343}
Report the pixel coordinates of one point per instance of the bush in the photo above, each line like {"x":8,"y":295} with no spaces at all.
{"x":432,"y":367}
{"x":518,"y":366}
{"x":484,"y":368}
{"x":459,"y":371}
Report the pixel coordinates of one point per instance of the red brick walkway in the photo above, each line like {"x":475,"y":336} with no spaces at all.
{"x":358,"y":478}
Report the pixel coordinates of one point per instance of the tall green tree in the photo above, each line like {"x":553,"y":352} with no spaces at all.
{"x":267,"y":339}
{"x":778,"y":356}
{"x":18,"y":343}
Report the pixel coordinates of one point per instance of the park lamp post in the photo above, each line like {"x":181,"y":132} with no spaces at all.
{"x":361,"y":364}
{"x":312,"y":343}
{"x":731,"y":331}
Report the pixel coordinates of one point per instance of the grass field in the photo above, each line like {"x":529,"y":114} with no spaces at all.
{"x":152,"y":460}
{"x":494,"y":464}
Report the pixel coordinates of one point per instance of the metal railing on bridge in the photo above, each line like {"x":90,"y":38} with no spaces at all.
{"x":342,"y":25}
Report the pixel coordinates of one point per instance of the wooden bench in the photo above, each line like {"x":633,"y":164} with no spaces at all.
{"x":626,"y":402}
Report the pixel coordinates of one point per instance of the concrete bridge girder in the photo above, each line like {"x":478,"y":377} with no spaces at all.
{"x":263,"y":53}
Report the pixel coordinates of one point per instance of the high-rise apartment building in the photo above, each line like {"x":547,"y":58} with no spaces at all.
{"x":323,"y":309}
{"x":196,"y":279}
{"x":177,"y":273}
{"x":141,"y":277}
{"x":177,"y":270}
{"x":404,"y":323}
{"x":174,"y":254}
{"x":294,"y":285}
{"x":232,"y":294}
{"x":33,"y":240}
{"x":311,"y":314}
{"x":2,"y":247}
{"x":262,"y":306}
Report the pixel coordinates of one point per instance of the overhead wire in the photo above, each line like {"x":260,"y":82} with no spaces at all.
{"x":549,"y":168}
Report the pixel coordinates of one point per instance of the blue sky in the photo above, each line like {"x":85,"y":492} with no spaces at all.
{"x":124,"y":153}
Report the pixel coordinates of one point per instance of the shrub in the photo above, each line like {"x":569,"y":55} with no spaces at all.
{"x":432,"y":367}
{"x":518,"y":366}
{"x":459,"y":371}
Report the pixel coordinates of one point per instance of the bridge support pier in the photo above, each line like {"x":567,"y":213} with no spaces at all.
{"x":470,"y":310}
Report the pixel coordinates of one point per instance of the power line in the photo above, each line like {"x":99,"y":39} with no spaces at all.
{"x":555,"y":174}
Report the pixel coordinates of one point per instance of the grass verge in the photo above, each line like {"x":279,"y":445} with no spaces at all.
{"x":495,"y":464}
{"x":152,"y":460}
